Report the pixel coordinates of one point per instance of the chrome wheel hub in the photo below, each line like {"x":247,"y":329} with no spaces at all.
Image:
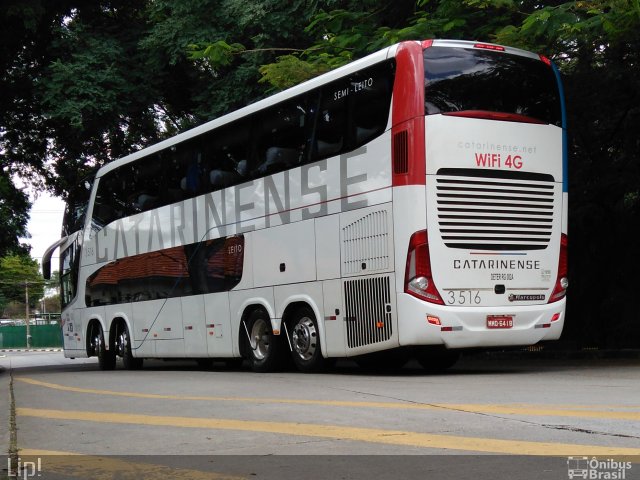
{"x":305,"y":338}
{"x":260,"y":339}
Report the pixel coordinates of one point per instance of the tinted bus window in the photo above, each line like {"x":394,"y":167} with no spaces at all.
{"x":228,"y":151}
{"x":69,"y":269}
{"x":204,"y":267}
{"x":459,"y":79}
{"x":281,"y":135}
{"x":76,"y":207}
{"x":132,"y":188}
{"x":354,"y":110}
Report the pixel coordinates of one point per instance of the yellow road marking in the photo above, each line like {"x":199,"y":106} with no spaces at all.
{"x":500,"y":409}
{"x":368,"y":435}
{"x":99,"y":467}
{"x":31,"y":452}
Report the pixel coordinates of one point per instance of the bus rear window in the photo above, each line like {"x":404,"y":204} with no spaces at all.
{"x":466,"y":79}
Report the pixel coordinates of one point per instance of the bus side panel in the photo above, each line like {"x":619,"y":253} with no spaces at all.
{"x":75,"y":330}
{"x":334,"y":325}
{"x":157,"y":328}
{"x":217,"y":323}
{"x":68,"y":329}
{"x":327,"y":247}
{"x":194,"y":331}
{"x":284,"y":254}
{"x":167,"y":329}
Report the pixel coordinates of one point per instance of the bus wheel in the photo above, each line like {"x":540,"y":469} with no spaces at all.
{"x":265,"y":349}
{"x":436,"y":360}
{"x":106,"y":358}
{"x":124,"y":350}
{"x":305,"y":341}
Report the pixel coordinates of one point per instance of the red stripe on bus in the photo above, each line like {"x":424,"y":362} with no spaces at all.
{"x":407,"y":114}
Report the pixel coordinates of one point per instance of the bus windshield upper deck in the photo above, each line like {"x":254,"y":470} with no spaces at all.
{"x":461,"y":80}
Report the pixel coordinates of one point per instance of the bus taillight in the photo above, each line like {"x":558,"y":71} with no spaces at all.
{"x":418,"y":279}
{"x":562,"y":281}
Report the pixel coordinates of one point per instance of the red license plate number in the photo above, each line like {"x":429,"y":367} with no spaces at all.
{"x":499,"y":321}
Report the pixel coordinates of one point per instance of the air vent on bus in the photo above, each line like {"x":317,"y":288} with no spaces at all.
{"x":494,"y":209}
{"x":401,"y":152}
{"x":365,"y":244}
{"x":368,"y":311}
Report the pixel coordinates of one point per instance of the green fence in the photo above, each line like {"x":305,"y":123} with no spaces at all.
{"x":42,"y":336}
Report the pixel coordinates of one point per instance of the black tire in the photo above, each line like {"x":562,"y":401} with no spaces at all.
{"x":265,"y":350}
{"x":123,"y":343}
{"x":436,"y":360}
{"x":304,"y":336}
{"x":106,"y":358}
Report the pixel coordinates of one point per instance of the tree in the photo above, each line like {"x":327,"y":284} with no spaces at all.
{"x":86,"y":82}
{"x":19,"y":274}
{"x":51,"y":304}
{"x":14,"y":208}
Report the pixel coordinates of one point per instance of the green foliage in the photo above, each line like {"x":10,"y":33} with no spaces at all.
{"x":343,"y":35}
{"x":289,"y":70}
{"x":565,"y":27}
{"x":91,"y":82}
{"x":14,"y":210}
{"x":219,"y":53}
{"x":225,"y":43}
{"x":16,"y":272}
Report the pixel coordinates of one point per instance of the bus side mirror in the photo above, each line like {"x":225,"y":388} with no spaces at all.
{"x":46,"y":269}
{"x":46,"y":258}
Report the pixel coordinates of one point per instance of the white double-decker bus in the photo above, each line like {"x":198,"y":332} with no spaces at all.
{"x":413,"y":202}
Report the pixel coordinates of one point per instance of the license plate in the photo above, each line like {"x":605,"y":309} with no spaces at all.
{"x":499,"y":321}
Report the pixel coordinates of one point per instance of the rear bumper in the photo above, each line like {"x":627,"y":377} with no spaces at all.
{"x":466,"y":327}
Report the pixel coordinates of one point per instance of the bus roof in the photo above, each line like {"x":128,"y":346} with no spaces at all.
{"x":318,"y":81}
{"x":372,"y":59}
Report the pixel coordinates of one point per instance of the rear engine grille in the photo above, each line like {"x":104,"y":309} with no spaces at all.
{"x":368,"y":311}
{"x":495,"y":210}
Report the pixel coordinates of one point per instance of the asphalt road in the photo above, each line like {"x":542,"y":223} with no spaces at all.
{"x":488,"y":417}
